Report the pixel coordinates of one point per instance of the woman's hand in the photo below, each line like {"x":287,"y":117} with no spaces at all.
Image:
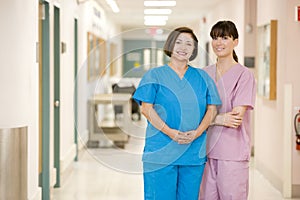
{"x":229,"y":119}
{"x":182,"y":137}
{"x":186,"y":137}
{"x":157,"y":122}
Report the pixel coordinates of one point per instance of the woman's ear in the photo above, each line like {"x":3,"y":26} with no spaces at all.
{"x":236,"y":42}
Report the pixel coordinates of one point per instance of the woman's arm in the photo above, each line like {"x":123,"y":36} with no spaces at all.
{"x":231,"y":119}
{"x":189,"y":136}
{"x":148,"y":111}
{"x":209,"y":117}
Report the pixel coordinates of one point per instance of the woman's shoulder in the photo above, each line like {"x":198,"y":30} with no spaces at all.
{"x":198,"y":69}
{"x":245,"y":71}
{"x":210,"y":69}
{"x":202,"y":72}
{"x":155,"y":70}
{"x":154,"y":74}
{"x":206,"y":71}
{"x":242,"y":74}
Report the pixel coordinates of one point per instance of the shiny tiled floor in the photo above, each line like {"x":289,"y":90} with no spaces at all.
{"x":115,"y":174}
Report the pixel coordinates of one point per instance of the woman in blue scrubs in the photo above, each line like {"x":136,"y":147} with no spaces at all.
{"x":179,"y":102}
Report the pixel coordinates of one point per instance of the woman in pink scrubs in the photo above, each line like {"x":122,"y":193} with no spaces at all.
{"x":226,"y":175}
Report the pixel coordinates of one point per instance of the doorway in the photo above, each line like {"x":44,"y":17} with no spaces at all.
{"x":44,"y":99}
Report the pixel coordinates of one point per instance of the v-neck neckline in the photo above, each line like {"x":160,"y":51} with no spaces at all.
{"x":177,"y":76}
{"x":218,"y":78}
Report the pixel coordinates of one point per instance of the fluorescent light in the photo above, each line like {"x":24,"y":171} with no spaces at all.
{"x":157,"y":11}
{"x":155,"y":17}
{"x":113,"y":5}
{"x":155,"y":22}
{"x":159,"y":3}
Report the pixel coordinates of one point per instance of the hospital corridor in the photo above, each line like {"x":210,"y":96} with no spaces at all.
{"x":71,"y":127}
{"x":101,"y":174}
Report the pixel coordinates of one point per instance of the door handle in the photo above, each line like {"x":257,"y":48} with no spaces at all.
{"x":56,"y":103}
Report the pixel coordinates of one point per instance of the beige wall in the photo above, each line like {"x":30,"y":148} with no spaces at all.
{"x":270,"y":132}
{"x":292,"y":76}
{"x":229,"y":10}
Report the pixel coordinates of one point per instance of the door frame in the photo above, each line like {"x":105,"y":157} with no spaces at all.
{"x":56,"y":53}
{"x":44,"y":99}
{"x":76,"y":86}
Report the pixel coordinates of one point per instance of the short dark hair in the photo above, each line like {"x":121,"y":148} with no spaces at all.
{"x":170,"y":42}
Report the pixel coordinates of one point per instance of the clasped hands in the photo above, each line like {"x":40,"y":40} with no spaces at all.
{"x":184,"y":137}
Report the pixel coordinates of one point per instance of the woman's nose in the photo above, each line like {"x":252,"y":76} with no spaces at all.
{"x":219,"y":40}
{"x":183,"y":46}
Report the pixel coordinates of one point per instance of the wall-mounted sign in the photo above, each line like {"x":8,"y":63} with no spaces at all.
{"x":297,"y":13}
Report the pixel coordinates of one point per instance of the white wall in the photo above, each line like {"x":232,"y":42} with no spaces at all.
{"x":19,"y":77}
{"x":107,"y":30}
{"x":68,"y":11}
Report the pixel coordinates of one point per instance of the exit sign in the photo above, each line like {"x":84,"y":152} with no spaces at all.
{"x":297,"y":14}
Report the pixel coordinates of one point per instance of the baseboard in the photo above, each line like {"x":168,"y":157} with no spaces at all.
{"x":83,"y":139}
{"x":53,"y":176}
{"x":66,"y":164}
{"x":296,"y":191}
{"x":271,"y":177}
{"x":37,"y":195}
{"x":67,"y":160}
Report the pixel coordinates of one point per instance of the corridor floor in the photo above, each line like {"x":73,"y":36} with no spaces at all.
{"x":115,"y":174}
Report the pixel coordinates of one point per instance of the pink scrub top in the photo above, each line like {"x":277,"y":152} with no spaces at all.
{"x":236,"y":87}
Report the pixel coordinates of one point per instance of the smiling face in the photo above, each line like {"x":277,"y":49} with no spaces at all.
{"x":223,"y":46}
{"x":224,"y":38}
{"x":183,"y":47}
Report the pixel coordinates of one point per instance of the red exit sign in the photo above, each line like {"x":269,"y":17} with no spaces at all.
{"x":297,"y":14}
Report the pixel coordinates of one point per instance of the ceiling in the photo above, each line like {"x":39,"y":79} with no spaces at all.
{"x":185,"y":12}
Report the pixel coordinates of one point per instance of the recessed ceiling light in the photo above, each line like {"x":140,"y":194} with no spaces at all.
{"x":159,"y":3}
{"x":113,"y":5}
{"x":157,"y":11}
{"x":155,"y":22}
{"x":155,"y":17}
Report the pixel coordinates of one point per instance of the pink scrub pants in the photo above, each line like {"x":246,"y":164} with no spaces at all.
{"x":225,"y":180}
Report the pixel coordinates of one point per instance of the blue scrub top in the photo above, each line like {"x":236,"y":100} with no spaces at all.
{"x":181,"y":103}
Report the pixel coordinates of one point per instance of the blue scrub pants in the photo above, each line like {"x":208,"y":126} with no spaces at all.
{"x":172,"y":182}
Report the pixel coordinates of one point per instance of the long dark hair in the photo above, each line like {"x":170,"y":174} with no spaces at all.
{"x":170,"y":42}
{"x":225,"y":28}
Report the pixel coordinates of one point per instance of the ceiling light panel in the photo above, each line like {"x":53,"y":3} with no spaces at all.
{"x":155,"y":22}
{"x":113,"y":5}
{"x":159,"y":3}
{"x":157,"y":11}
{"x":155,"y":17}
